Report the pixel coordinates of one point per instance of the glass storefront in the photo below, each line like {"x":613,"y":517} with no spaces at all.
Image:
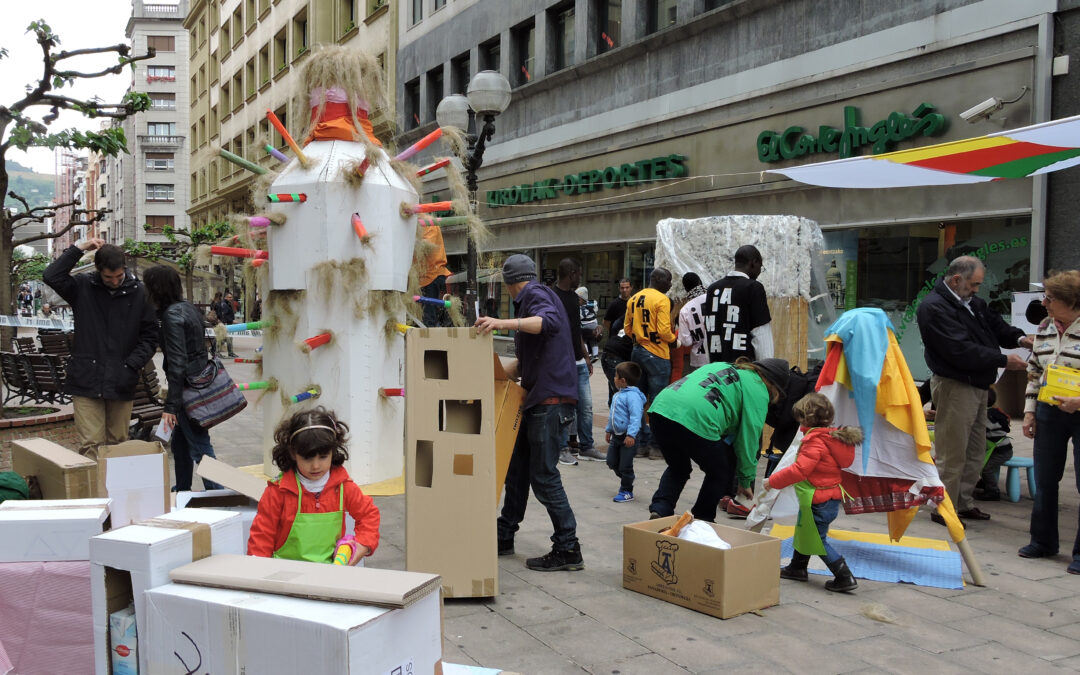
{"x":894,"y":267}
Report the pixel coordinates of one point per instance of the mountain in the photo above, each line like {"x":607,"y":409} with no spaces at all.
{"x":37,"y":188}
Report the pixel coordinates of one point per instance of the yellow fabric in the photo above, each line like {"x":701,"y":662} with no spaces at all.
{"x":943,"y":149}
{"x":786,"y":531}
{"x":650,"y":324}
{"x":435,"y":264}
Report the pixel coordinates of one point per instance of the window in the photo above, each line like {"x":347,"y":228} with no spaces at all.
{"x":159,"y":161}
{"x":252,"y":152}
{"x":215,"y":14}
{"x":609,"y":23}
{"x":194,"y":184}
{"x":460,"y":74}
{"x":157,"y":224}
{"x":252,"y":15}
{"x":238,"y":25}
{"x":524,"y":37}
{"x":159,"y":192}
{"x":202,"y":182}
{"x":346,"y":15}
{"x":224,"y":40}
{"x":237,"y":90}
{"x":202,"y":31}
{"x":160,"y":73}
{"x":281,"y":52}
{"x":194,"y":87}
{"x":439,"y":4}
{"x":264,"y":64}
{"x":238,"y":150}
{"x":194,"y":40}
{"x":417,"y":12}
{"x":194,"y":135}
{"x":283,"y":117}
{"x":300,"y":32}
{"x":375,"y":5}
{"x":215,"y":67}
{"x":202,"y":130}
{"x":489,"y":55}
{"x":264,"y":6}
{"x":662,"y":13}
{"x":249,"y":73}
{"x":412,"y":104}
{"x":162,"y":101}
{"x":213,"y":175}
{"x":214,"y":122}
{"x":435,"y":90}
{"x":226,"y":97}
{"x":161,"y":128}
{"x":562,"y":38}
{"x":161,"y":43}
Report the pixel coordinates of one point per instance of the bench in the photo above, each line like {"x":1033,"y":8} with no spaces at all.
{"x":17,"y":381}
{"x":58,"y":344}
{"x":47,"y":372}
{"x":147,"y":406}
{"x":24,"y":345}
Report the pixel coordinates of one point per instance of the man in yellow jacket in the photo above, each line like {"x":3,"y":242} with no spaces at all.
{"x":648,"y":323}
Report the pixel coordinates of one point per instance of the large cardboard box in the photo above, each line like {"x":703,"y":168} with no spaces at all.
{"x":61,"y":473}
{"x":456,"y":456}
{"x":135,"y":475}
{"x":128,"y":561}
{"x":50,"y":530}
{"x":722,"y":583}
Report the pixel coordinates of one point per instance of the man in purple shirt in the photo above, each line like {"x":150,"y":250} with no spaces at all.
{"x":546,"y":366}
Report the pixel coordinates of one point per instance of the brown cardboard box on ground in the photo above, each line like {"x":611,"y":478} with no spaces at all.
{"x":721,"y":583}
{"x":61,"y":473}
{"x":462,"y":416}
{"x":135,"y":475}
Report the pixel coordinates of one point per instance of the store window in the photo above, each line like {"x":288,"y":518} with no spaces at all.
{"x":894,"y":267}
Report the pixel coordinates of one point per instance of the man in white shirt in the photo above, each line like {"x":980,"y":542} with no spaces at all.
{"x":692,"y":323}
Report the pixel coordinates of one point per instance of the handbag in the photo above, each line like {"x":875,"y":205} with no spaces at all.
{"x":211,"y":397}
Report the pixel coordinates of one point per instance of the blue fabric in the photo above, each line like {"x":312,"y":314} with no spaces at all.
{"x":896,"y":564}
{"x":655,"y":375}
{"x":865,"y":333}
{"x":626,"y":408}
{"x":620,"y":459}
{"x":546,"y":360}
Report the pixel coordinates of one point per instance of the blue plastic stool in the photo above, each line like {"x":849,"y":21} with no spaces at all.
{"x":1012,"y":477}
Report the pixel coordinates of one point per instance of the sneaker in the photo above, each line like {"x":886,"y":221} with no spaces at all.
{"x":506,"y":547}
{"x":1034,"y":551}
{"x":557,"y":560}
{"x":653,"y":515}
{"x":623,"y":496}
{"x":566,"y":458}
{"x":592,"y":455}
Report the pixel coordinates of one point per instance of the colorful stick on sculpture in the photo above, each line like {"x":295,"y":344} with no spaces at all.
{"x":238,"y":252}
{"x":312,"y":392}
{"x":241,"y":162}
{"x":358,"y":226}
{"x":276,"y":154}
{"x":419,"y":145}
{"x":430,"y":221}
{"x":391,"y":391}
{"x":431,"y":301}
{"x":433,"y":167}
{"x":318,"y":341}
{"x":250,"y":325}
{"x":252,"y":386}
{"x":288,"y":139}
{"x":433,"y":207}
{"x":362,"y":169}
{"x":258,"y":221}
{"x":402,"y":328}
{"x":258,"y":262}
{"x":243,"y":360}
{"x":284,"y":198}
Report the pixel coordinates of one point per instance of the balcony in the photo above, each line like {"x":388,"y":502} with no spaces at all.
{"x":161,"y":141}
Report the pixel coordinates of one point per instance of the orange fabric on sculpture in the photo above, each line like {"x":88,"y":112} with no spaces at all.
{"x":435,"y":265}
{"x":336,"y":125}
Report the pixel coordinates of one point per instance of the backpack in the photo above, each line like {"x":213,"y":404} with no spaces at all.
{"x":780,"y":416}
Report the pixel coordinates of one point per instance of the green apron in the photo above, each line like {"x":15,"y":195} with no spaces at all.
{"x":807,"y":540}
{"x":314,"y":535}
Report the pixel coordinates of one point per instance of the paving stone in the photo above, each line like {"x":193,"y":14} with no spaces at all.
{"x":811,"y":624}
{"x":1026,"y":639}
{"x":586,"y":642}
{"x":931,"y":636}
{"x":645,"y":664}
{"x":997,"y":659}
{"x":693,"y":649}
{"x":1036,"y":614}
{"x":890,"y":654}
{"x":911,"y":600}
{"x":799,"y":654}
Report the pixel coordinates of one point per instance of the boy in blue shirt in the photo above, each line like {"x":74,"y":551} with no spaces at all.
{"x":624,"y":424}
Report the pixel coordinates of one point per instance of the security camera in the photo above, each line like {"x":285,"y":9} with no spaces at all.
{"x":984,"y":109}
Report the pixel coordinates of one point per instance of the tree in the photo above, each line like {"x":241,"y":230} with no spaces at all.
{"x":181,"y":247}
{"x":20,"y":130}
{"x":26,"y":268}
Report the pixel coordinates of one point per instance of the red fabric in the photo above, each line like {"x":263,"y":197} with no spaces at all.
{"x":820,"y":460}
{"x":872,"y":494}
{"x":277,"y":511}
{"x":46,"y":619}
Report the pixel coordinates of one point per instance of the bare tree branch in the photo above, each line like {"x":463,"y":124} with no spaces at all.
{"x":99,"y":214}
{"x":121,"y":49}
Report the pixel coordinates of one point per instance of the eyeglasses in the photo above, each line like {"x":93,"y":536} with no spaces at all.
{"x":1048,"y":298}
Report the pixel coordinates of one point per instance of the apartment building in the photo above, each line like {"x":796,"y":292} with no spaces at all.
{"x":245,"y":58}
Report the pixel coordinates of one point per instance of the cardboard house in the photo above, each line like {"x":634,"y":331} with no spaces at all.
{"x":61,"y":473}
{"x":463,"y":415}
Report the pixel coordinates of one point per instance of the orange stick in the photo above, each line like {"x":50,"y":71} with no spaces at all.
{"x":419,"y":145}
{"x":684,"y":520}
{"x":433,"y":207}
{"x":358,"y":226}
{"x":318,"y":340}
{"x":238,"y":252}
{"x":285,"y":135}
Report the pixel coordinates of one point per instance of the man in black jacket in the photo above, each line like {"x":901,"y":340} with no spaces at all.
{"x":227,"y":315}
{"x":962,"y":339}
{"x":115,"y":335}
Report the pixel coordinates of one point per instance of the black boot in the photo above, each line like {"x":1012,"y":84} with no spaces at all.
{"x":844,"y":581}
{"x":796,"y":569}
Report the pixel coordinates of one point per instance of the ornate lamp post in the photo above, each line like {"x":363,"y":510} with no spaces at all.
{"x":488,"y":95}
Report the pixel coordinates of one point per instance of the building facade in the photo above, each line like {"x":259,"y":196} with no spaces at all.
{"x":246,"y":58}
{"x":69,"y":186}
{"x":624,"y":113}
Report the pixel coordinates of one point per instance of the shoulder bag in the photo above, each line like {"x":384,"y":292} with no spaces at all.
{"x":211,"y":397}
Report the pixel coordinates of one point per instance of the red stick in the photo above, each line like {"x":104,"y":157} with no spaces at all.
{"x":391,"y":392}
{"x":239,"y":252}
{"x":318,"y":340}
{"x":433,"y":167}
{"x":433,"y":207}
{"x":358,"y":226}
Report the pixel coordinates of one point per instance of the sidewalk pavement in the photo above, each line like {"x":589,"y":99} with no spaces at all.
{"x":1027,"y":619}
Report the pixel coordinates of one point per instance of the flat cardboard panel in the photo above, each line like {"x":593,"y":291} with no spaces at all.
{"x":721,"y":583}
{"x":231,"y":630}
{"x":135,"y":474}
{"x":509,"y":397}
{"x":62,"y":473}
{"x":231,"y":477}
{"x":50,"y":531}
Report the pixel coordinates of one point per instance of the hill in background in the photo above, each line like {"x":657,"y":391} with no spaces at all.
{"x":37,"y":188}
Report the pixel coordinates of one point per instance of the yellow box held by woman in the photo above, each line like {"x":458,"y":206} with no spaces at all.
{"x":1060,"y":381}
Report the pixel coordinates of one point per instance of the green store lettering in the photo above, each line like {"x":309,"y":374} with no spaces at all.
{"x":794,"y":142}
{"x":585,"y":182}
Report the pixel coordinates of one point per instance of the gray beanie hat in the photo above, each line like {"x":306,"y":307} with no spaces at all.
{"x":776,"y":370}
{"x":518,"y":268}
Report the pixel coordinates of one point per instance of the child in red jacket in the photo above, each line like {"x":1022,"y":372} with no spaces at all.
{"x":824,"y":452}
{"x":301,"y":514}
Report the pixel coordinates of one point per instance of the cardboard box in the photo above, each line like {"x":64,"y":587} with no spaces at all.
{"x":50,"y":530}
{"x":61,"y":473}
{"x":123,"y":642}
{"x":135,"y":475}
{"x":128,"y":561}
{"x":456,"y":456}
{"x":721,"y":583}
{"x":236,"y":631}
{"x":222,"y":500}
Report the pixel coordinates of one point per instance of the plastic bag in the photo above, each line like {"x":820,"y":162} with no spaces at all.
{"x":701,"y":532}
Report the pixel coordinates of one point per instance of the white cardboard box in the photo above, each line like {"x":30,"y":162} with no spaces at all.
{"x":215,"y":630}
{"x":127,"y":562}
{"x":52,"y":530}
{"x":222,"y":500}
{"x":135,"y":474}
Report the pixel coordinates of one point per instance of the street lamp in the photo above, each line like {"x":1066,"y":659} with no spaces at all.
{"x":488,"y":95}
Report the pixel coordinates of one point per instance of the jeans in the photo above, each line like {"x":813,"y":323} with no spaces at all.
{"x":1053,"y":431}
{"x":655,"y":375}
{"x":608,"y":363}
{"x":535,"y":462}
{"x":583,"y":411}
{"x":190,"y":443}
{"x":824,"y":514}
{"x":681,"y":446}
{"x":620,"y":459}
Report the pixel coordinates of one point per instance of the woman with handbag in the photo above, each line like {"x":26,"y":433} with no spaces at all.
{"x":182,"y":342}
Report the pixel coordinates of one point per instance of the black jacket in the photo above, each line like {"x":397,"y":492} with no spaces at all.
{"x":960,"y":346}
{"x":115,"y":330}
{"x":225,"y":312}
{"x":184,"y":347}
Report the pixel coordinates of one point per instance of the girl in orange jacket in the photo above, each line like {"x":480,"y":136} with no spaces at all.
{"x":301,"y":514}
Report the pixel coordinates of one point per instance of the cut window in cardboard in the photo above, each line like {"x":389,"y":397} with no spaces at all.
{"x":460,"y":417}
{"x":463,"y":465}
{"x":425,"y":463}
{"x":436,"y":367}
